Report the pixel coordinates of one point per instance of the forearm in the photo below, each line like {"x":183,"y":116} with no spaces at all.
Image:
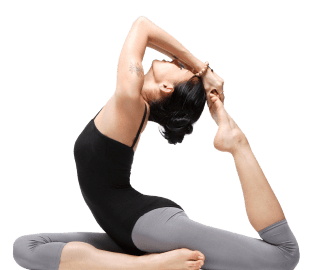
{"x":160,"y":40}
{"x":153,"y":46}
{"x":170,"y":55}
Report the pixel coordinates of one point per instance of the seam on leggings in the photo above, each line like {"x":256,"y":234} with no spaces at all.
{"x":174,"y":215}
{"x":272,"y":226}
{"x":58,"y":256}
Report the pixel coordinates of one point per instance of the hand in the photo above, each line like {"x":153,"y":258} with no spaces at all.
{"x":212,"y":81}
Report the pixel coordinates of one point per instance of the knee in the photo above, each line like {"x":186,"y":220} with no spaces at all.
{"x":20,"y":251}
{"x":27,"y":250}
{"x":294,"y":258}
{"x":289,"y":260}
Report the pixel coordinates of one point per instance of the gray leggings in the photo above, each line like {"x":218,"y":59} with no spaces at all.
{"x":169,"y":228}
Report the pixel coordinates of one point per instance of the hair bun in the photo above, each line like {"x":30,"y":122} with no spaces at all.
{"x":189,"y":129}
{"x":179,"y":125}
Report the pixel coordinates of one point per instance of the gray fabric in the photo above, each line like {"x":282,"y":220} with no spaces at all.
{"x":169,"y":228}
{"x":43,"y":251}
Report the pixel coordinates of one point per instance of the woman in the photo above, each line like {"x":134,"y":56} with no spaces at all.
{"x":136,"y":223}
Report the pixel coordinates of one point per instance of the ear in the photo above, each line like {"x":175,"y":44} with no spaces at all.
{"x":166,"y":88}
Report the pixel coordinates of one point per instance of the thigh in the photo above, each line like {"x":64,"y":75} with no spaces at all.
{"x":169,"y":228}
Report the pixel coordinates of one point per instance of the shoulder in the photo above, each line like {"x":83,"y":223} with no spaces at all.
{"x":132,"y":106}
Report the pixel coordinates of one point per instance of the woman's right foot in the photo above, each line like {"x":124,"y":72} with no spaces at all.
{"x":178,"y":259}
{"x":229,"y":136}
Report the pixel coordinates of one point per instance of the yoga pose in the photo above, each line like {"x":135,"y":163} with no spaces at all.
{"x":151,"y":232}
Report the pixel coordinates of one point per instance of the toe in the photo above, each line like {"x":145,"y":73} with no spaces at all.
{"x":194,"y":255}
{"x":194,"y":264}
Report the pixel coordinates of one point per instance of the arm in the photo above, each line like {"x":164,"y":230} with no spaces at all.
{"x":170,"y":55}
{"x":168,"y":45}
{"x":130,"y":75}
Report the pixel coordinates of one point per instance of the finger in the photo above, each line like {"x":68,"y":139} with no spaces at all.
{"x":221,"y":94}
{"x":213,"y":99}
{"x":222,"y":97}
{"x":213,"y":112}
{"x":219,"y":103}
{"x":213,"y":108}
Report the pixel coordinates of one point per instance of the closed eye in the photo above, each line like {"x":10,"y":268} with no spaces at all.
{"x":177,"y":62}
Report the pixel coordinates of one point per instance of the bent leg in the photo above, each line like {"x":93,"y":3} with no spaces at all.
{"x":169,"y":228}
{"x":43,"y":250}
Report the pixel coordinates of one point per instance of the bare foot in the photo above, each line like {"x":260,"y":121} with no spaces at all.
{"x":229,"y":135}
{"x":178,"y":259}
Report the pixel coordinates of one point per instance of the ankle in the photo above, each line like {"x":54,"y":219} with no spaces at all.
{"x":148,"y":262}
{"x":241,"y":147}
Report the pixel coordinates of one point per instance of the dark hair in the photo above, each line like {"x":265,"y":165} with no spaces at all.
{"x":178,"y":112}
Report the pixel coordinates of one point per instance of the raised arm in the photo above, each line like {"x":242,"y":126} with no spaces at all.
{"x":170,"y":55}
{"x":163,"y":42}
{"x":143,"y":33}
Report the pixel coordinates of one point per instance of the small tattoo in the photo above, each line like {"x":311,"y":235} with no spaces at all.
{"x":136,"y":68}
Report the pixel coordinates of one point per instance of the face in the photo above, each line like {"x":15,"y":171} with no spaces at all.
{"x":162,"y":76}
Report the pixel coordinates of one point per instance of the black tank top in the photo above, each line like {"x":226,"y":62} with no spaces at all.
{"x":103,"y":169}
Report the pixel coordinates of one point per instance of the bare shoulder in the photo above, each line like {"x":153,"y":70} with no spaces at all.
{"x":121,"y":118}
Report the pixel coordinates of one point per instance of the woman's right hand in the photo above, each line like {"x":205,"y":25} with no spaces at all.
{"x":211,"y":82}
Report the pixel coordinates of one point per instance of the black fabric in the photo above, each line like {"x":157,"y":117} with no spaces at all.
{"x":103,"y":169}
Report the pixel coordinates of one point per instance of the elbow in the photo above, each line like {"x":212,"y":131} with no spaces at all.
{"x":141,"y":18}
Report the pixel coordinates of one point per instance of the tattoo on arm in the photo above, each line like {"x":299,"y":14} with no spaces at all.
{"x":136,"y":68}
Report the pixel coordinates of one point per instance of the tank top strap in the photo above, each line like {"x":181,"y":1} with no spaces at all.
{"x":139,"y":131}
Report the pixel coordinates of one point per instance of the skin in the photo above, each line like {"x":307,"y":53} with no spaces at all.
{"x":79,"y":255}
{"x":262,"y":206}
{"x":158,"y":81}
{"x":160,"y":78}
